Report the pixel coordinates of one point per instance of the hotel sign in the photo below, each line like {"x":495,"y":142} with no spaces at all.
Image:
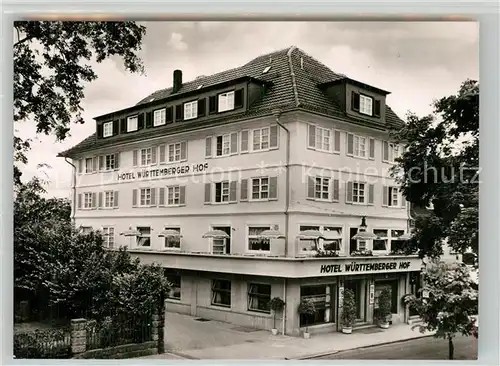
{"x":354,"y":267}
{"x":163,"y":172}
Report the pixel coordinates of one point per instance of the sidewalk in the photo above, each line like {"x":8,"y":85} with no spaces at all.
{"x":295,"y":348}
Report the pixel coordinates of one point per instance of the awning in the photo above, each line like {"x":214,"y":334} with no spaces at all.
{"x":216,"y":234}
{"x":310,"y":235}
{"x":271,"y":234}
{"x":170,"y":233}
{"x":131,"y":232}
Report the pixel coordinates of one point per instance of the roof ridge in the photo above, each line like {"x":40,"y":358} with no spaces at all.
{"x":292,"y":75}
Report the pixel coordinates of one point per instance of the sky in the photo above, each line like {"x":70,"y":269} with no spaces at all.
{"x":417,"y":62}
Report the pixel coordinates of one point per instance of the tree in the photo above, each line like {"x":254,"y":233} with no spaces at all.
{"x":448,"y":302}
{"x":51,"y":69}
{"x":440,"y":165}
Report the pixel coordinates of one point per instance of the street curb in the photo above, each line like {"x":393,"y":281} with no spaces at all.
{"x":179,"y":354}
{"x":361,"y":347}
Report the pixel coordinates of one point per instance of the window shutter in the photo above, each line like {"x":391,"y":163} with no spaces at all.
{"x":153,"y":155}
{"x":123,"y":125}
{"x":134,"y":198}
{"x":182,"y":195}
{"x":100,"y":200}
{"x":350,"y":144}
{"x":100,"y":130}
{"x":208,"y":189}
{"x":116,"y":199}
{"x":336,"y":141}
{"x":202,"y":104}
{"x":273,"y":188}
{"x":116,"y":126}
{"x":169,"y":114}
{"x":336,"y":190}
{"x":238,"y":99}
{"x":134,"y":157}
{"x":385,"y":151}
{"x":372,"y":148}
{"x":149,"y":119}
{"x":212,"y":104}
{"x":117,"y":160}
{"x":161,"y":196}
{"x":244,"y":190}
{"x":94,"y":200}
{"x":183,"y":150}
{"x":232,"y":191}
{"x":80,"y":166}
{"x":385,"y":195}
{"x":404,"y":202}
{"x":234,"y":143}
{"x":244,"y":141}
{"x":348,"y":191}
{"x":312,"y":136}
{"x":355,"y":101}
{"x":371,"y":194}
{"x":310,"y":187}
{"x":273,"y":138}
{"x":179,"y":112}
{"x":208,"y":147}
{"x":162,"y":153}
{"x":94,"y":164}
{"x":101,"y":162}
{"x":376,"y":108}
{"x":153,"y":197}
{"x":79,"y":200}
{"x":140,"y":121}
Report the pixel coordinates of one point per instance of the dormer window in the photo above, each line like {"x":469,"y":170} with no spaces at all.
{"x":266,"y":70}
{"x":190,"y":110}
{"x":132,"y":124}
{"x":199,"y":87}
{"x":226,"y":101}
{"x":159,"y":118}
{"x":107,"y":129}
{"x":365,"y":105}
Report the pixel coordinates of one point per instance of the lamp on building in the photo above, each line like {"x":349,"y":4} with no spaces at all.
{"x":271,"y":234}
{"x":362,"y":234}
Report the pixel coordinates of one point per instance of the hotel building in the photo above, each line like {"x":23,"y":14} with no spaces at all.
{"x":251,"y":184}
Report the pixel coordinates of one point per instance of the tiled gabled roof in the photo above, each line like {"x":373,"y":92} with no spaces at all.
{"x":294,"y":77}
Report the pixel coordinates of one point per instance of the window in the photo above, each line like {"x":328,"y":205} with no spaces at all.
{"x":173,"y":242}
{"x":358,"y":192}
{"x":266,"y":70}
{"x":255,"y":242}
{"x":159,"y":117}
{"x":107,"y":129}
{"x":308,"y":245}
{"x":146,"y":156}
{"x":396,"y":244}
{"x":109,"y":199}
{"x":259,"y":296}
{"x":145,"y":199}
{"x":144,"y":239}
{"x":221,"y":293}
{"x":191,"y":110}
{"x":359,"y":146}
{"x":381,"y":242}
{"x":223,"y":145}
{"x":222,"y":246}
{"x":174,"y":152}
{"x":88,"y":165}
{"x":85,"y":229}
{"x":108,"y":236}
{"x":87,"y":200}
{"x":132,"y":124}
{"x":110,"y":162}
{"x":332,"y":239}
{"x":322,"y":188}
{"x":323,"y":139}
{"x":260,"y":188}
{"x":173,"y":195}
{"x":324,"y":311}
{"x":365,"y":105}
{"x":391,"y":152}
{"x":391,"y":197}
{"x":226,"y":101}
{"x":175,"y":287}
{"x":260,"y":139}
{"x":222,"y":192}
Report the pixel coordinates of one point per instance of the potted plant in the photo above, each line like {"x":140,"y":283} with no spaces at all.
{"x":384,"y":308}
{"x":306,"y":307}
{"x":276,"y":304}
{"x":348,"y":311}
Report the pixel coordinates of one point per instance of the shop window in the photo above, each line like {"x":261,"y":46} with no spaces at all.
{"x":175,"y":284}
{"x":259,"y":296}
{"x":320,"y":296}
{"x":221,"y":293}
{"x":392,"y":286}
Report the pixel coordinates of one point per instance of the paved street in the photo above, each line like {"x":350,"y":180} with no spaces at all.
{"x":428,"y":348}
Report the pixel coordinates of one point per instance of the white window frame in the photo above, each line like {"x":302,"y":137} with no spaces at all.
{"x":132,"y":123}
{"x":143,"y":236}
{"x":248,"y":237}
{"x":112,"y":159}
{"x":393,"y":197}
{"x":107,"y":129}
{"x":357,"y":142}
{"x":177,"y":228}
{"x":356,"y":186}
{"x":261,"y":191}
{"x":146,"y":153}
{"x":176,"y":196}
{"x":91,"y":165}
{"x":111,"y":201}
{"x":365,"y":105}
{"x":322,"y":186}
{"x":320,"y":139}
{"x":226,"y":144}
{"x":393,"y":238}
{"x":394,"y":152}
{"x":223,"y":189}
{"x":108,"y":236}
{"x":177,"y":147}
{"x":89,"y":200}
{"x":146,"y":200}
{"x":225,"y":101}
{"x":320,"y":243}
{"x":191,"y":110}
{"x":260,"y":139}
{"x":160,"y":117}
{"x":386,"y":238}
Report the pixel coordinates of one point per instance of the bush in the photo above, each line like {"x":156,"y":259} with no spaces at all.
{"x":276,"y":304}
{"x":306,"y":307}
{"x":384,"y":306}
{"x":52,"y":343}
{"x":348,"y":308}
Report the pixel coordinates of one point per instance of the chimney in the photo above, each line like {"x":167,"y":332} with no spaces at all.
{"x":177,"y":81}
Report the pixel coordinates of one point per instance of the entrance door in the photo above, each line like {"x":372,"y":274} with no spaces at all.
{"x":222,"y":246}
{"x":415,"y":285}
{"x":357,"y":287}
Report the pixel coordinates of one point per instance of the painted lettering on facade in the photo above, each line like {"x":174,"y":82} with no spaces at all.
{"x":163,"y":172}
{"x":354,"y":267}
